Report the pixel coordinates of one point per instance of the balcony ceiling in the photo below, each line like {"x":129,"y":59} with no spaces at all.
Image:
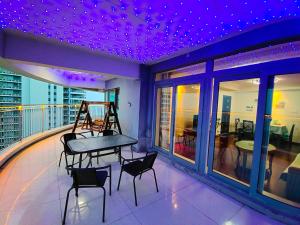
{"x":142,"y":31}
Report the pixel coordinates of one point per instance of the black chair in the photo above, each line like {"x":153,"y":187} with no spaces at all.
{"x":138,"y":166}
{"x":66,"y":152}
{"x":224,"y":127}
{"x":290,"y":141}
{"x":279,"y":141}
{"x":237,"y":129}
{"x":248,"y":130}
{"x":89,"y":178}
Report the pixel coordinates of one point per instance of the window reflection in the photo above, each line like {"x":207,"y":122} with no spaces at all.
{"x":186,"y":121}
{"x":163,"y":117}
{"x":282,"y":129}
{"x":235,"y":128}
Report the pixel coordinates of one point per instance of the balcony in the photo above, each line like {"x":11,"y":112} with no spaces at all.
{"x":40,"y":187}
{"x":212,"y":88}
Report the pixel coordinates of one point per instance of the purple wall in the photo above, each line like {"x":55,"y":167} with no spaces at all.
{"x":1,"y":43}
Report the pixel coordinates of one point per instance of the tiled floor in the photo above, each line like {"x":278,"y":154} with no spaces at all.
{"x":33,"y":191}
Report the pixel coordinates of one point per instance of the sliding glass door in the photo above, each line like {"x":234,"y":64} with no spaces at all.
{"x":186,"y":121}
{"x":280,"y":167}
{"x":235,"y":110}
{"x":178,"y":119}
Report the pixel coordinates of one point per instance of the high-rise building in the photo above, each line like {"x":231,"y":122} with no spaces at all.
{"x":10,"y":96}
{"x":72,"y":101}
{"x":29,"y":106}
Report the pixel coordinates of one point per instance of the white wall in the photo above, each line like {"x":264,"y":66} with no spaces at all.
{"x":129,"y":104}
{"x":241,"y":100}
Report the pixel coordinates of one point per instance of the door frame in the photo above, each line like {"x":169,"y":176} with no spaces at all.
{"x":215,"y":100}
{"x":198,"y":79}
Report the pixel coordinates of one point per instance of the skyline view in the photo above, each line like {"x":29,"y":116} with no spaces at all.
{"x":24,"y":99}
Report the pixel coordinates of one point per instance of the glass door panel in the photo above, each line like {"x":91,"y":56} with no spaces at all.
{"x":235,"y":123}
{"x":280,"y":172}
{"x":163,"y":117}
{"x":186,"y":121}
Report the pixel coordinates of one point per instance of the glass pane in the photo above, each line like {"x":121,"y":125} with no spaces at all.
{"x":281,"y":170}
{"x":186,"y":121}
{"x":234,"y":135}
{"x":163,"y":117}
{"x":268,"y":54}
{"x":182,"y":72}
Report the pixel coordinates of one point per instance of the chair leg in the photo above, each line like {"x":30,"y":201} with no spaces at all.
{"x":155,"y":179}
{"x":103,"y":212}
{"x":61,"y":154}
{"x":109,"y":180}
{"x":98,"y":158}
{"x":120,"y":179}
{"x":67,"y":165}
{"x":66,"y":206}
{"x":134,"y":189}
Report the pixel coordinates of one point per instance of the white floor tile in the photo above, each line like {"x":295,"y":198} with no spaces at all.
{"x":33,"y":191}
{"x":172,"y":211}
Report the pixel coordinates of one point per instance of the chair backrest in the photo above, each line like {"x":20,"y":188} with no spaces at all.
{"x":88,"y":177}
{"x":149,"y":160}
{"x":291,"y":134}
{"x":248,"y":126}
{"x":108,"y":132}
{"x":67,"y":137}
{"x":224,"y":140}
{"x":236,"y":123}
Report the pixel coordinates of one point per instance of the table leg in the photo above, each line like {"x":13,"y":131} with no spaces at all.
{"x":120,"y":155}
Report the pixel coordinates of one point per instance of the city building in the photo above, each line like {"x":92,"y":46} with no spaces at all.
{"x":72,"y":100}
{"x":10,"y":97}
{"x":23,"y":99}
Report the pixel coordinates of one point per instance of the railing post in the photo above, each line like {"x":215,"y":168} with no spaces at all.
{"x":43,"y":118}
{"x":20,"y":109}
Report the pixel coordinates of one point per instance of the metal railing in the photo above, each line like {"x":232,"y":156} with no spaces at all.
{"x":21,"y":121}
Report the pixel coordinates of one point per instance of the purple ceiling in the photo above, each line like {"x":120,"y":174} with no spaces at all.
{"x":142,"y":31}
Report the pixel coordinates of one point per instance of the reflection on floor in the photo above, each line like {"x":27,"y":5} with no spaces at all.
{"x":225,"y":163}
{"x":33,"y":191}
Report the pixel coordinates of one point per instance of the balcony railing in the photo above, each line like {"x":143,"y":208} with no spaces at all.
{"x":21,"y":121}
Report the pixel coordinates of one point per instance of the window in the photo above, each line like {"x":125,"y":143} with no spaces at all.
{"x":268,"y":54}
{"x":280,"y":167}
{"x":182,"y":72}
{"x":186,"y":121}
{"x":163,"y":117}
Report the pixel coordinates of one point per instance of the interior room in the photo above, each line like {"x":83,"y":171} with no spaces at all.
{"x":146,"y":112}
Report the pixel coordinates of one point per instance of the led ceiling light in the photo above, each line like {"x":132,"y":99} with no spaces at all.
{"x":142,"y":31}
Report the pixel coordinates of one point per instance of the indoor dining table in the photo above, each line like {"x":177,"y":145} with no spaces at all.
{"x":246,"y":147}
{"x":100,"y":143}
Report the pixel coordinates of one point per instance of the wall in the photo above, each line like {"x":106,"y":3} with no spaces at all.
{"x":129,"y":103}
{"x":288,"y":115}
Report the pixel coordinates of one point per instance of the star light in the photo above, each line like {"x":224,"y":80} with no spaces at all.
{"x":142,"y":31}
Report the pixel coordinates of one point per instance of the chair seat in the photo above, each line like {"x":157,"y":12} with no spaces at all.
{"x":134,"y":168}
